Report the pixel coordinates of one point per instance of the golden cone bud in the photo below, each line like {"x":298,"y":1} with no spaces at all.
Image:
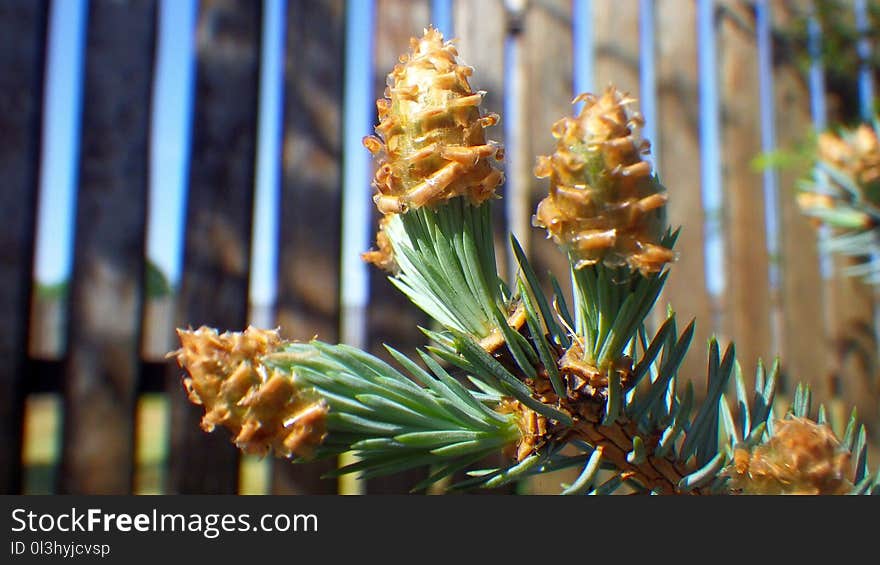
{"x":856,"y":153}
{"x":431,"y":146}
{"x":801,"y":457}
{"x":604,"y":203}
{"x":264,"y":409}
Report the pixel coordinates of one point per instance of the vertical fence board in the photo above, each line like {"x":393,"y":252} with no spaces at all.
{"x":214,"y":285}
{"x":103,"y":364}
{"x":853,"y":355}
{"x":678,"y":152}
{"x":48,"y":317}
{"x":616,"y":45}
{"x":517,"y":204}
{"x":549,"y":80}
{"x":391,"y":318}
{"x":746,"y":304}
{"x":22,"y":54}
{"x":480,"y":33}
{"x":804,"y":351}
{"x":308,"y":289}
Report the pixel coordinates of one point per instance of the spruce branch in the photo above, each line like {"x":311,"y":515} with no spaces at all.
{"x":843,"y":195}
{"x":446,"y":265}
{"x":394,"y":422}
{"x":512,"y":371}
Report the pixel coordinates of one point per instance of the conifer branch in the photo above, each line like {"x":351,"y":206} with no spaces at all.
{"x":511,"y":371}
{"x":843,"y":196}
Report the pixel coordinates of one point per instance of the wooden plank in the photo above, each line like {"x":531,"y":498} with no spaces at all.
{"x":616,"y":45}
{"x":519,"y":162}
{"x":746,"y":305}
{"x":804,"y":348}
{"x":157,"y":333}
{"x":391,"y":318}
{"x":22,"y":53}
{"x":479,"y":30}
{"x":48,"y":315}
{"x":309,"y":270}
{"x":214,"y":284}
{"x":103,"y":362}
{"x":549,"y":80}
{"x":677,"y":149}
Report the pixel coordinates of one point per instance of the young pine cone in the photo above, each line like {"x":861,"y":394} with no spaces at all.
{"x":604,"y":203}
{"x":856,"y":153}
{"x":801,"y":457}
{"x":431,"y":143}
{"x":263,"y":409}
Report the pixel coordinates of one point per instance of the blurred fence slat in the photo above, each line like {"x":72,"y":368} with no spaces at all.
{"x":616,"y":46}
{"x":678,"y":151}
{"x":103,"y":362}
{"x":518,"y":165}
{"x":22,"y":53}
{"x":391,"y":318}
{"x":852,"y":352}
{"x":747,"y":305}
{"x":309,"y":273}
{"x":804,"y":350}
{"x":214,"y":286}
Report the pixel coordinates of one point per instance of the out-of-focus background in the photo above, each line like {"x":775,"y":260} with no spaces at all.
{"x":173,"y":163}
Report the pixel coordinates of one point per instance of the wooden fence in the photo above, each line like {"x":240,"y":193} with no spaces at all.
{"x":89,"y":405}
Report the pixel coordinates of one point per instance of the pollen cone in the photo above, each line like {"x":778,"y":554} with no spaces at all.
{"x":801,"y":457}
{"x":264,"y":409}
{"x":604,"y":204}
{"x":431,"y":146}
{"x":856,"y":153}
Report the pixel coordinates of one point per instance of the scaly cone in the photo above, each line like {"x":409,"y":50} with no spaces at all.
{"x":604,"y":205}
{"x":436,"y":173}
{"x":431,"y":144}
{"x":263,"y":408}
{"x":847,"y":198}
{"x":855,"y":152}
{"x":854,"y":155}
{"x":801,"y":457}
